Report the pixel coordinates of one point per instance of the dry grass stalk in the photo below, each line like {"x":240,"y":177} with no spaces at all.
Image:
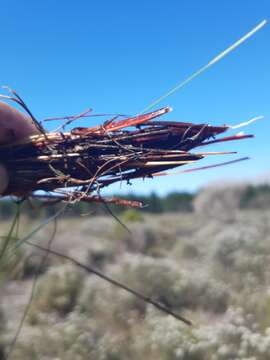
{"x":76,"y":165}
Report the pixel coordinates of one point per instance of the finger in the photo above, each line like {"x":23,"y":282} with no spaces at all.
{"x":14,"y":125}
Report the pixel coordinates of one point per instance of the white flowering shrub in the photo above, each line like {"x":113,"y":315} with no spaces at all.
{"x":243,"y":249}
{"x":70,"y":339}
{"x":235,"y":337}
{"x":106,"y":304}
{"x":2,"y":332}
{"x":211,"y":267}
{"x":57,"y":291}
{"x":165,"y":281}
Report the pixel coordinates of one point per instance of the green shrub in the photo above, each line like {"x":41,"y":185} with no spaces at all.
{"x":132,"y":216}
{"x":190,"y":251}
{"x":255,"y":197}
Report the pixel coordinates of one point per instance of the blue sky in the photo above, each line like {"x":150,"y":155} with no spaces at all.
{"x":118,"y":56}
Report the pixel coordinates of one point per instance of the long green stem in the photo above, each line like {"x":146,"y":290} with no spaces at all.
{"x":9,"y":236}
{"x":207,"y":66}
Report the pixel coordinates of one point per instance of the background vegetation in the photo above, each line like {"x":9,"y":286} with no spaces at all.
{"x":248,"y":197}
{"x":205,"y":256}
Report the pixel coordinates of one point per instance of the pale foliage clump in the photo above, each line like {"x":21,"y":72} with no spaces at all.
{"x":213,"y":272}
{"x":57,"y":291}
{"x":219,"y":201}
{"x":2,"y":332}
{"x":80,"y":337}
{"x":159,"y":278}
{"x":2,"y":320}
{"x":236,"y":337}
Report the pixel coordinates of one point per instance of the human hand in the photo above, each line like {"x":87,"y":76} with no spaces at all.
{"x":14,"y":126}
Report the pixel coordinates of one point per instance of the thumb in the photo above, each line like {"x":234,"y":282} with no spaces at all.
{"x":3,"y":179}
{"x":14,"y":126}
